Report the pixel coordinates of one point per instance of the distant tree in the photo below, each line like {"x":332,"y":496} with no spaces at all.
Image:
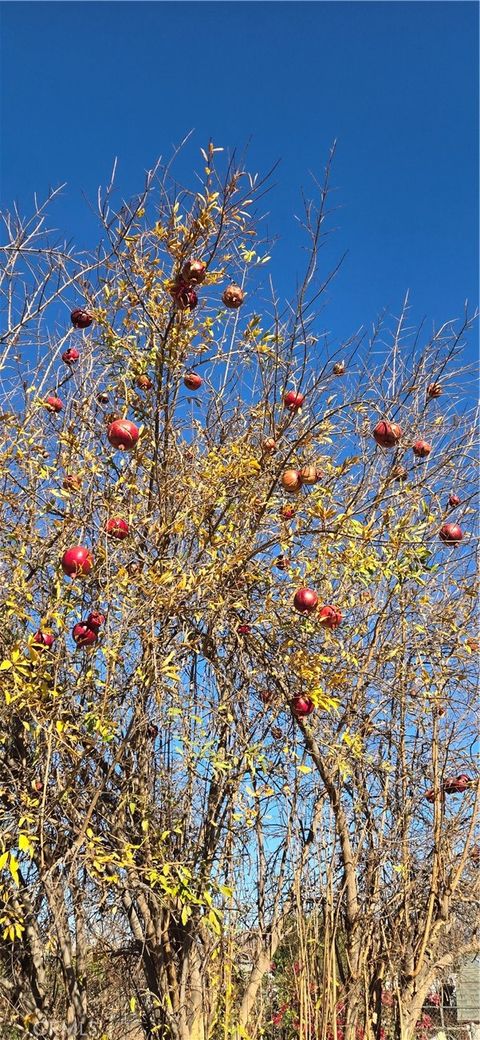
{"x":195,"y":773}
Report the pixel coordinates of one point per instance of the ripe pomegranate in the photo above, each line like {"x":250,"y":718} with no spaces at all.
{"x":269,"y":446}
{"x":95,"y":619}
{"x":81,"y":319}
{"x":192,"y":380}
{"x":302,"y":706}
{"x":387,"y":434}
{"x":194,"y":271}
{"x":117,"y":528}
{"x":450,"y":534}
{"x":421,"y":449}
{"x":54,"y":404}
{"x":456,"y":785}
{"x":70,"y":355}
{"x":77,"y":561}
{"x":454,"y":500}
{"x":184,"y":297}
{"x":83,"y":635}
{"x":305,"y":601}
{"x":244,"y":630}
{"x":144,"y":382}
{"x":283,"y":563}
{"x":291,"y":480}
{"x":293,"y":400}
{"x":330,"y":617}
{"x":43,"y":640}
{"x":71,"y":482}
{"x":434,"y":390}
{"x":398,"y":473}
{"x":123,"y":434}
{"x":233,"y":296}
{"x":310,"y":474}
{"x":287,"y":512}
{"x":339,"y":368}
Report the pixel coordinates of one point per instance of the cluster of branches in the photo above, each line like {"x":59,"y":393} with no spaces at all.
{"x":165,"y":812}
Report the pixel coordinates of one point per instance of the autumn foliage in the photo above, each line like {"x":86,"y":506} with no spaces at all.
{"x":237,"y":682}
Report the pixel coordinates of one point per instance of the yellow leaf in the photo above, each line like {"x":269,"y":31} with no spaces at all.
{"x":133,"y":1003}
{"x":214,"y":922}
{"x":25,"y":844}
{"x":13,"y":867}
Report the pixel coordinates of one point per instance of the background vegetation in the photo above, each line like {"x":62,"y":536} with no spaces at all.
{"x":189,"y":851}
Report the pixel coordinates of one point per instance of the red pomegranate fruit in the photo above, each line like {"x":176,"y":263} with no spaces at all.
{"x":287,"y":512}
{"x":184,"y":297}
{"x":70,"y":355}
{"x":456,"y":785}
{"x":95,"y":619}
{"x":454,"y":500}
{"x":116,"y":527}
{"x":302,"y":706}
{"x":77,"y":561}
{"x":43,"y":640}
{"x":421,"y":449}
{"x":305,"y":601}
{"x":192,"y":380}
{"x":244,"y":630}
{"x":123,"y":434}
{"x":194,"y":271}
{"x":269,"y":446}
{"x":80,"y":318}
{"x":330,"y":617}
{"x":282,"y":563}
{"x":387,"y":434}
{"x":83,"y":635}
{"x":291,"y":481}
{"x":143,"y":382}
{"x":233,"y":296}
{"x":293,"y":400}
{"x":54,"y":404}
{"x":450,"y":534}
{"x":310,"y":475}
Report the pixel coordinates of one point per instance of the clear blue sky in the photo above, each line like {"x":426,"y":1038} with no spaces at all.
{"x":395,"y":83}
